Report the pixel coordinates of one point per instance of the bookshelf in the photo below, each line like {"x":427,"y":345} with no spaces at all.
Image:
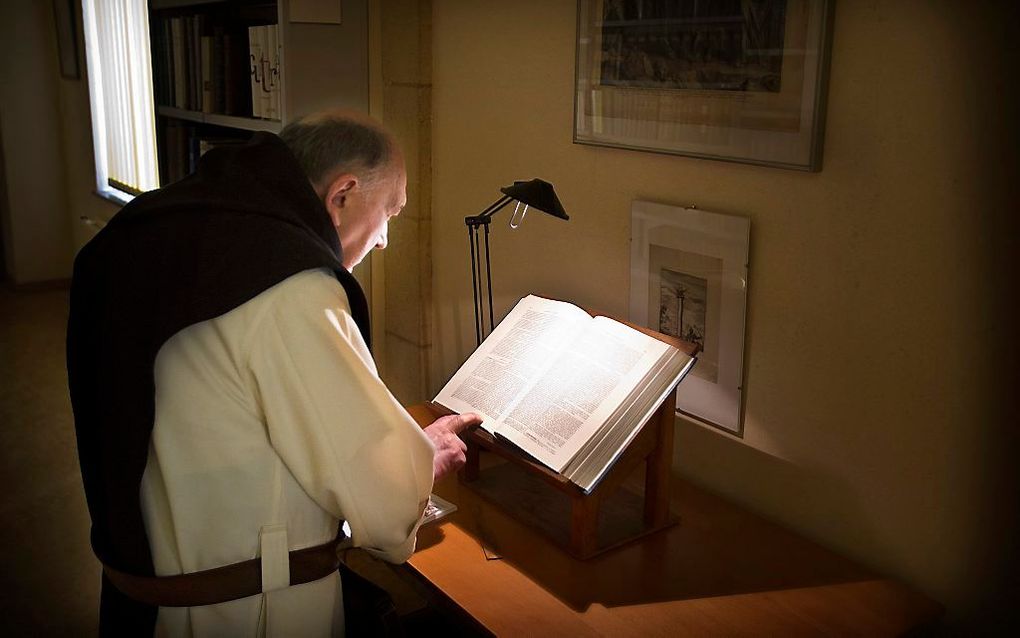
{"x":205,"y":75}
{"x":216,"y":119}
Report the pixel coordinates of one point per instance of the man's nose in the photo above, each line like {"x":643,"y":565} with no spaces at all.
{"x":383,"y":238}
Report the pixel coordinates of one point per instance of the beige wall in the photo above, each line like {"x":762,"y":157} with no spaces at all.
{"x":403,"y":91}
{"x":870,"y":393}
{"x":47,"y":145}
{"x":37,"y":232}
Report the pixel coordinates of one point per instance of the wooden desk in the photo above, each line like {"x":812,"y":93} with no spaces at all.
{"x":721,"y":571}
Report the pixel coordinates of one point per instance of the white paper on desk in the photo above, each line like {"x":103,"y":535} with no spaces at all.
{"x":436,"y":509}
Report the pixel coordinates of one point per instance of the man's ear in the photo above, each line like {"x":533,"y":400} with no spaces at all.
{"x":335,"y":197}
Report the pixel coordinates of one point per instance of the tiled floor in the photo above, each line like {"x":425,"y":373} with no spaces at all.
{"x":49,"y":579}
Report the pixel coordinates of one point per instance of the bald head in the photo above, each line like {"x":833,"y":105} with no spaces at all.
{"x":357,"y":171}
{"x":335,"y":142}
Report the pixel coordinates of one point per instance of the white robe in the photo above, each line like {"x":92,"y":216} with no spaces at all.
{"x":272,"y":424}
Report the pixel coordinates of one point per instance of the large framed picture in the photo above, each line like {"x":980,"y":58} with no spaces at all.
{"x":689,"y":279}
{"x":67,"y":39}
{"x":737,"y":80}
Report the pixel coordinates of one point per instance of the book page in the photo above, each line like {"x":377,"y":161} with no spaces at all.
{"x":575,"y":396}
{"x":521,"y":347}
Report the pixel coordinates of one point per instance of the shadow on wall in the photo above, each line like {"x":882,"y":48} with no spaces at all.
{"x":788,"y":476}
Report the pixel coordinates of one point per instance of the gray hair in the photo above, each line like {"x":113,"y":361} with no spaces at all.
{"x":335,"y":142}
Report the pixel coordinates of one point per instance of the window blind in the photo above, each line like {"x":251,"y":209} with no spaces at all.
{"x":120,"y":88}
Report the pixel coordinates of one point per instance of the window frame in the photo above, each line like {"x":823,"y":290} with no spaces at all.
{"x":141,"y":106}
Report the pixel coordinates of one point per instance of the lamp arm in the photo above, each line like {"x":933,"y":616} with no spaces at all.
{"x":473,"y":222}
{"x":483,"y":217}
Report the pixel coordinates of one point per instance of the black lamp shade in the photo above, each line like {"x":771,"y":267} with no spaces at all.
{"x":536,"y":193}
{"x":533,"y":193}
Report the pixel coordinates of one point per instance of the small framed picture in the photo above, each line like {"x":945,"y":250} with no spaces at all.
{"x":689,"y":280}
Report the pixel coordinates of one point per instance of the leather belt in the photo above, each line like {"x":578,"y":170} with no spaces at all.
{"x":223,"y":584}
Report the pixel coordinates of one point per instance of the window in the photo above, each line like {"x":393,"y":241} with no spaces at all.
{"x":120,"y":88}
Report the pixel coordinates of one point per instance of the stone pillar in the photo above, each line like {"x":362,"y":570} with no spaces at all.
{"x":406,"y":48}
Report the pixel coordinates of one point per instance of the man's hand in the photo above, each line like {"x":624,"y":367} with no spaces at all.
{"x":449,"y":448}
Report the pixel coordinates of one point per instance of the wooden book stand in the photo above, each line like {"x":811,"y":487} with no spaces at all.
{"x":584,"y":524}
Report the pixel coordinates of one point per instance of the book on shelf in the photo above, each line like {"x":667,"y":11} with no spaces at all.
{"x":177,"y":64}
{"x":217,"y":72}
{"x":176,"y":151}
{"x":189,"y":62}
{"x":273,"y":70}
{"x":207,"y":74}
{"x":161,"y":72}
{"x":569,"y":389}
{"x":255,"y":70}
{"x":265,"y":90}
{"x":264,"y":57}
{"x":237,"y":73}
{"x":195,"y":56}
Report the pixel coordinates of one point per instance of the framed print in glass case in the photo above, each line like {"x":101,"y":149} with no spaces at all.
{"x":689,"y":280}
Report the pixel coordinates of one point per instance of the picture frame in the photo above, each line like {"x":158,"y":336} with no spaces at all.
{"x":737,"y":81}
{"x":67,"y":39}
{"x":689,"y":279}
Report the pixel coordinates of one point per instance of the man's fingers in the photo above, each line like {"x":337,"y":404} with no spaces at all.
{"x":457,"y":423}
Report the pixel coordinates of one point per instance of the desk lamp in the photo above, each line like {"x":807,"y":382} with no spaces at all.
{"x":534,"y":193}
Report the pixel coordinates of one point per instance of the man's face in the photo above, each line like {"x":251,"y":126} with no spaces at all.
{"x":366,"y":211}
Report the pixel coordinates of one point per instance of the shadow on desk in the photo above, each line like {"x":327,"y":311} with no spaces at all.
{"x":715,"y":550}
{"x":720,"y":571}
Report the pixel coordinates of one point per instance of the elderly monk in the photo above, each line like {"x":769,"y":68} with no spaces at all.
{"x":228,"y":411}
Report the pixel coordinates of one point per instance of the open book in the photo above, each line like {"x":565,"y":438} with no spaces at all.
{"x":567,"y":388}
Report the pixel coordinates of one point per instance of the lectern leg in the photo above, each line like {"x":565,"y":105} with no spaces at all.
{"x":470,"y":471}
{"x":659,"y":466}
{"x":584,"y":522}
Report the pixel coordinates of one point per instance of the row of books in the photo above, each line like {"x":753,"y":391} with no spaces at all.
{"x":229,"y":70}
{"x":183,"y":143}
